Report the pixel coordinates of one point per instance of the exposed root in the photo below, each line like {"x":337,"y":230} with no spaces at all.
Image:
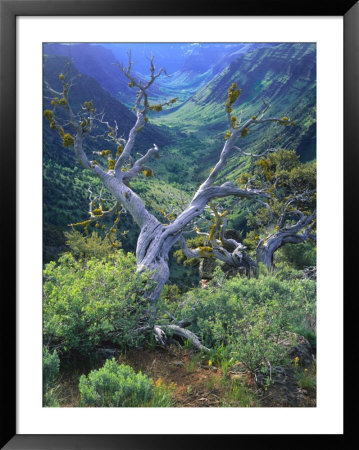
{"x":160,"y":335}
{"x":179,"y":331}
{"x":160,"y":332}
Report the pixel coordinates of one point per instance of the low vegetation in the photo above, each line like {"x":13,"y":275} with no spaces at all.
{"x":91,"y":306}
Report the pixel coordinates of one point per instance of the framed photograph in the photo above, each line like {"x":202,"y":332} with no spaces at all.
{"x":174,"y":197}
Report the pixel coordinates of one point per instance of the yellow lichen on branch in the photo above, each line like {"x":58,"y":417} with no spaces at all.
{"x":67,"y":140}
{"x":233,"y":94}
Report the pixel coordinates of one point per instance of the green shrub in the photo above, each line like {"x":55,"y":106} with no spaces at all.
{"x":89,"y":246}
{"x":248,"y":317}
{"x":171,"y":292}
{"x":92,"y":303}
{"x":297,"y":255}
{"x":117,"y":385}
{"x":285,"y":271}
{"x":50,"y":369}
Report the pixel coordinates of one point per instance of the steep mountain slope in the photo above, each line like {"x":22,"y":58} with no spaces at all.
{"x":201,"y":65}
{"x":101,"y":64}
{"x":188,"y":65}
{"x":284,"y":75}
{"x":65,"y":184}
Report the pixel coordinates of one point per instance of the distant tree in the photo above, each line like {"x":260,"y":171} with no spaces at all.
{"x":116,"y":166}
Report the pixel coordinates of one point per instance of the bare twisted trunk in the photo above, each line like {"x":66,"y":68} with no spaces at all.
{"x":152,"y":255}
{"x":267,"y":247}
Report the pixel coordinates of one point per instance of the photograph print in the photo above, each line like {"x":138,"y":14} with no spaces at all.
{"x":179,"y":224}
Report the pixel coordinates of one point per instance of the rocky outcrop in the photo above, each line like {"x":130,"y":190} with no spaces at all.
{"x":310,"y":273}
{"x":298,"y":347}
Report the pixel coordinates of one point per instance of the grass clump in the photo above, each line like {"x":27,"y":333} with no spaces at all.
{"x":50,"y":372}
{"x":306,"y":379}
{"x":240,"y":395}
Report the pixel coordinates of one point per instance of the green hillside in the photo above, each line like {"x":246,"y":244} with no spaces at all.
{"x":65,"y":183}
{"x":283,"y":75}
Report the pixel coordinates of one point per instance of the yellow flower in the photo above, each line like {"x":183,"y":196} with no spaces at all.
{"x":147,"y":172}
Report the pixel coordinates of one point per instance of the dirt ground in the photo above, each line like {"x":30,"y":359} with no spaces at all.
{"x":196,"y":383}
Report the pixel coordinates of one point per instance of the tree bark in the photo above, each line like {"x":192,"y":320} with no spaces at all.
{"x":267,"y":247}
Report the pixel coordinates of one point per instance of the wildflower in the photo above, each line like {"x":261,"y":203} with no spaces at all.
{"x":147,"y":172}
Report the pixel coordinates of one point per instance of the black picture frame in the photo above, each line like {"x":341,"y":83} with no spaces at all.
{"x":9,"y":10}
